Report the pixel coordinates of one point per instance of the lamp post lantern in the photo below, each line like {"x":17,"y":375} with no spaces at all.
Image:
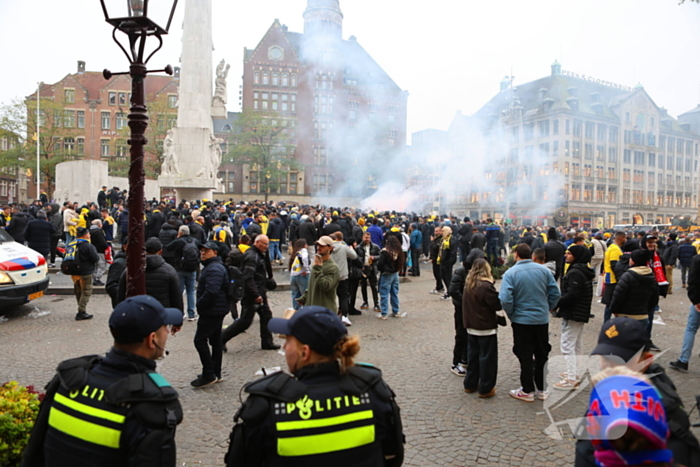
{"x":137,"y":19}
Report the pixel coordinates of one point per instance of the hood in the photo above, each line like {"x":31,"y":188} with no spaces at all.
{"x":154,"y":262}
{"x":169,"y":227}
{"x":587,"y":272}
{"x":641,"y":270}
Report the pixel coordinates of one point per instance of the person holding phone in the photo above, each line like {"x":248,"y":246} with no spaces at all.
{"x":324,"y":278}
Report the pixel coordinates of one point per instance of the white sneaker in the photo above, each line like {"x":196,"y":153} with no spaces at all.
{"x":542,"y":395}
{"x":346,"y":321}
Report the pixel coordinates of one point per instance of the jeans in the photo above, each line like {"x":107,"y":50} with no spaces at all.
{"x":690,"y":330}
{"x":572,"y":346}
{"x":248,"y":310}
{"x":482,"y":360}
{"x":100,"y":267}
{"x":371,"y":277}
{"x":82,"y":287}
{"x":343,"y":293}
{"x":389,"y":286}
{"x":415,"y":266}
{"x":459,"y":353}
{"x":298,"y":284}
{"x":187,"y":282}
{"x":684,"y":273}
{"x":531,"y":340}
{"x":209,"y":334}
{"x":275,"y":252}
{"x":54,"y":251}
{"x":492,"y":252}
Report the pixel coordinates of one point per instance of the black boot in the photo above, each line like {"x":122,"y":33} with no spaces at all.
{"x":82,"y":316}
{"x":270,"y":346}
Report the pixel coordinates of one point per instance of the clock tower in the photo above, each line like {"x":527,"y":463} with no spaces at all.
{"x":323,"y":19}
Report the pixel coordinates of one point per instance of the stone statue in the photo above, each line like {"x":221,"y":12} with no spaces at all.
{"x":210,"y":165}
{"x":220,"y":81}
{"x":169,"y":166}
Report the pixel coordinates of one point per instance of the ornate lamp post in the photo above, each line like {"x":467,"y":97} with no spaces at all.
{"x":138,"y":19}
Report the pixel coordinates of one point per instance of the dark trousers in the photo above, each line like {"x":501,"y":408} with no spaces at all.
{"x":415,"y":255}
{"x":54,"y":245}
{"x":343,"y":293}
{"x":248,"y":310}
{"x":371,"y":277}
{"x":438,"y":277}
{"x":459,"y":353}
{"x":233,"y":307}
{"x":492,"y":252}
{"x":354,"y":285}
{"x":445,"y":275}
{"x":482,"y":367}
{"x":209,"y":334}
{"x":531,"y":340}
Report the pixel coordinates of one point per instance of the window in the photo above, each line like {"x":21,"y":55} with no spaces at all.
{"x":566,"y":168}
{"x":590,"y":128}
{"x":600,"y":153}
{"x":294,"y":80}
{"x":555,"y":127}
{"x":123,"y":149}
{"x":599,"y":171}
{"x":602,"y":132}
{"x":679,"y":164}
{"x":69,"y":118}
{"x":266,"y":78}
{"x":628,"y":118}
{"x":293,"y":98}
{"x":256,"y":77}
{"x":544,"y":128}
{"x":671,"y":144}
{"x":567,"y":148}
{"x":652,"y":159}
{"x":575,"y":192}
{"x":661,"y":161}
{"x":662,"y":142}
{"x":69,"y":144}
{"x":172,"y":101}
{"x":81,"y":119}
{"x":285,"y":80}
{"x":587,"y":170}
{"x":588,"y":151}
{"x":628,"y":137}
{"x":577,"y":149}
{"x":639,"y":158}
{"x":122,"y":98}
{"x":612,"y":194}
{"x":679,"y":146}
{"x":611,"y":173}
{"x":120,"y":120}
{"x":626,"y":173}
{"x":669,"y":163}
{"x":69,"y":95}
{"x":275,"y":79}
{"x":577,"y":127}
{"x":285,"y":102}
{"x":104,"y":148}
{"x":588,"y":193}
{"x":555,"y":148}
{"x":688,"y":165}
{"x":568,"y":126}
{"x":627,"y":158}
{"x":529,"y":131}
{"x":112,"y":98}
{"x":612,"y":134}
{"x":80,"y":145}
{"x":575,"y":169}
{"x":106,"y":120}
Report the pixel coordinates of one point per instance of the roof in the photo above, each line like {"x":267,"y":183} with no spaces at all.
{"x":93,"y":82}
{"x":230,"y":120}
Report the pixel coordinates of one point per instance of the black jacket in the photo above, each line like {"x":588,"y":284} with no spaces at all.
{"x":307,"y":231}
{"x":173,"y":252}
{"x":478,"y":240}
{"x":253,"y":230}
{"x":17,"y":225}
{"x":116,"y":269}
{"x":275,"y":231}
{"x":374,"y":250}
{"x":576,"y":293}
{"x":97,"y":238}
{"x":670,"y":254}
{"x":694,"y":280}
{"x":388,"y":265}
{"x":554,"y":251}
{"x":197,"y":232}
{"x":38,"y":235}
{"x":212,"y":287}
{"x":255,"y":272}
{"x":155,"y":223}
{"x":636,"y":293}
{"x":162,"y":283}
{"x":88,"y":258}
{"x":167,"y":235}
{"x":456,"y":288}
{"x":686,"y":251}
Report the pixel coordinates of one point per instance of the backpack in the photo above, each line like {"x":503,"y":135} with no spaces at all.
{"x":235,"y":284}
{"x":70,"y":265}
{"x":190,"y":257}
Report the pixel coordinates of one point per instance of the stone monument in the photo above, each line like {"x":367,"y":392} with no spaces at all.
{"x":192,"y":154}
{"x":218,"y":104}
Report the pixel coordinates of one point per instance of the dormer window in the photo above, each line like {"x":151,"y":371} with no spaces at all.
{"x":543,"y":93}
{"x":595,"y":96}
{"x":573,"y":91}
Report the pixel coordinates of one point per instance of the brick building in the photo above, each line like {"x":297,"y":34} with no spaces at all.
{"x":343,"y":113}
{"x":579,"y":150}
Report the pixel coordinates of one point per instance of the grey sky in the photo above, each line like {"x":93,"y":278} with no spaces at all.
{"x":449,"y":54}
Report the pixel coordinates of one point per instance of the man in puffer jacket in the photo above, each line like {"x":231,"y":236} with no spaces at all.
{"x":162,"y":281}
{"x":575,"y":308}
{"x":637,"y":292}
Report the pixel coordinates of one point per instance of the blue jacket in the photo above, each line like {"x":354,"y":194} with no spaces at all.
{"x":686,"y":251}
{"x":376,"y":235}
{"x":492,"y":232}
{"x":528,"y":292}
{"x":212,"y":287}
{"x":416,"y":239}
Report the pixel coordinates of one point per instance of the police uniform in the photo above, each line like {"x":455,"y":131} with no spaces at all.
{"x":112,"y":411}
{"x":319,"y":418}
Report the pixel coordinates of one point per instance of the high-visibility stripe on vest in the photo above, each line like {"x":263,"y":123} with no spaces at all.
{"x":338,"y":436}
{"x":83,"y":429}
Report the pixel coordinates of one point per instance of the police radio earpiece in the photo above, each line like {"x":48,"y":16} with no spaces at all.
{"x":165,"y":351}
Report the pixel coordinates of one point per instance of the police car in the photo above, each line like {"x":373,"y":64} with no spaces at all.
{"x":23,"y":272}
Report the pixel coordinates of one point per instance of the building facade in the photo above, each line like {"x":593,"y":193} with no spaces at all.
{"x":343,"y":113}
{"x":571,"y":149}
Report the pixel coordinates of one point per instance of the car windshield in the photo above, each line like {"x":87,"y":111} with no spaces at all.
{"x":5,"y":237}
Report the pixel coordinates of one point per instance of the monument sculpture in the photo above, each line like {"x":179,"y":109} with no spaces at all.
{"x":192,"y":153}
{"x":218,"y":104}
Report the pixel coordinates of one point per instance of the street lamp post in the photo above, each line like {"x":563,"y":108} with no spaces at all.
{"x":138,"y":22}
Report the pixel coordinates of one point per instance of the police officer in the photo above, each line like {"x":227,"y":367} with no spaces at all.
{"x":331,"y":412}
{"x":116,"y":410}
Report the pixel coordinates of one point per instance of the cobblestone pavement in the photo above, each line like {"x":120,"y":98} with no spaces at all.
{"x":443,"y":425}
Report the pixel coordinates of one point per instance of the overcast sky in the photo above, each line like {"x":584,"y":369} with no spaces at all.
{"x":450,"y":55}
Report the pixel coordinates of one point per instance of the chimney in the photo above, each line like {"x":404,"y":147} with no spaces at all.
{"x":81,"y":67}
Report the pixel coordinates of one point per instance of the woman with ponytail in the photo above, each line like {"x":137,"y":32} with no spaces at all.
{"x":327,"y":396}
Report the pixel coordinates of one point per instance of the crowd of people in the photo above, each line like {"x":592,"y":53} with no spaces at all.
{"x":222,"y":256}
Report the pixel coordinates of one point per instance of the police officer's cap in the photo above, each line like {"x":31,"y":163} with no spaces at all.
{"x":136,"y":317}
{"x":316,"y":326}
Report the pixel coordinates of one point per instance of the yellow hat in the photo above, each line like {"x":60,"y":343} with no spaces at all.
{"x":607,"y":235}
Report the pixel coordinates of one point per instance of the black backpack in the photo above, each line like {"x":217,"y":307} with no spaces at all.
{"x":190,"y":256}
{"x":70,"y":265}
{"x":235,"y":284}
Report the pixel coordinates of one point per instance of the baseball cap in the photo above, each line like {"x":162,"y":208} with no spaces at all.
{"x":622,"y":338}
{"x":137,"y":317}
{"x":325,"y":240}
{"x":316,"y":326}
{"x":210,"y":246}
{"x":153,"y":245}
{"x":622,"y":402}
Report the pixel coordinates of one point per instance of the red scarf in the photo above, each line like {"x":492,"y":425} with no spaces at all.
{"x":659,"y":272}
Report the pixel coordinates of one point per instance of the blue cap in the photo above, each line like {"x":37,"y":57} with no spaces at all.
{"x":316,"y":326}
{"x":136,"y":317}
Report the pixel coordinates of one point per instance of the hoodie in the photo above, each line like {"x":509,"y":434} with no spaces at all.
{"x":577,"y":288}
{"x":636,"y":294}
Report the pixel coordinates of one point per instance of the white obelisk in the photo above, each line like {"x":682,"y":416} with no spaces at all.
{"x":191,"y":152}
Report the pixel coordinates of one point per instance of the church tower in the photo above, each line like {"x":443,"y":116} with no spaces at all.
{"x":323,"y":20}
